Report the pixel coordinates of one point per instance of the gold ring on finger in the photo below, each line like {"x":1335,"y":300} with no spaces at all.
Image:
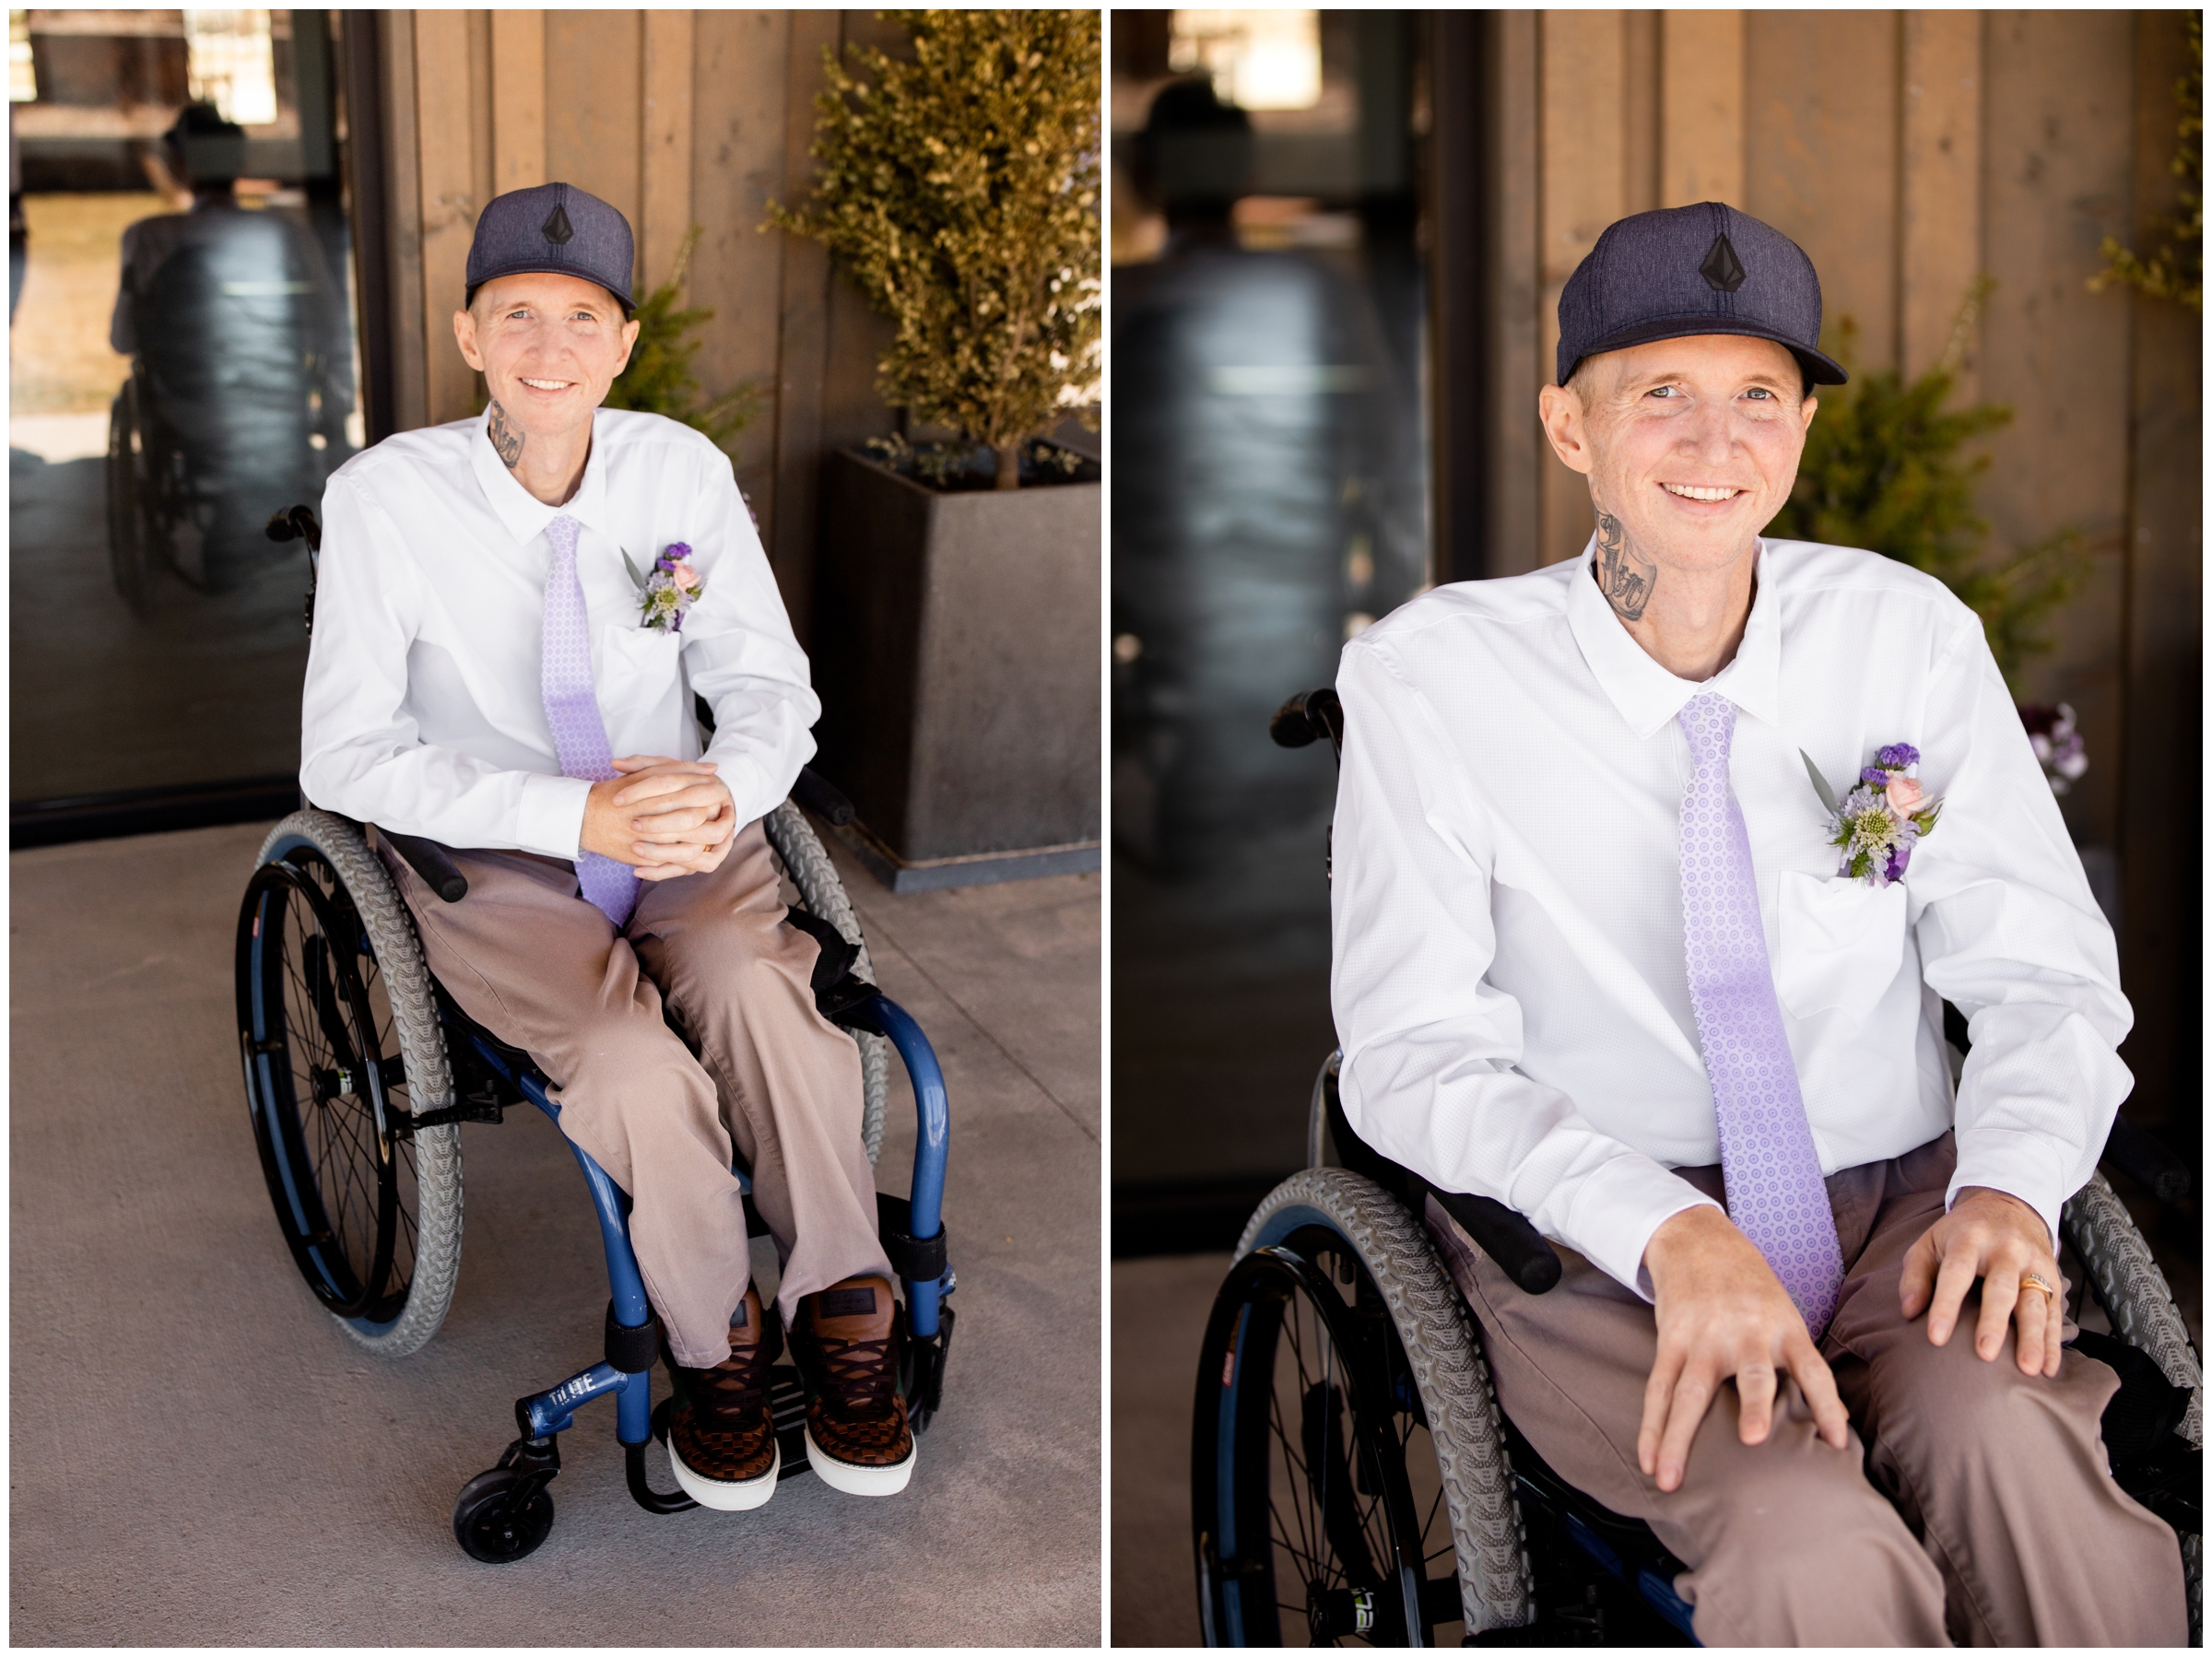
{"x":2035,"y":1280}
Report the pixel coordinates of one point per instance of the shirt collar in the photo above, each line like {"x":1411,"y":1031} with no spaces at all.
{"x":1645,"y":693}
{"x":523,"y":514}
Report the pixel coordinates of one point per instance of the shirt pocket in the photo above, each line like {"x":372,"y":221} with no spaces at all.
{"x":1841,"y":942}
{"x":639,"y":667}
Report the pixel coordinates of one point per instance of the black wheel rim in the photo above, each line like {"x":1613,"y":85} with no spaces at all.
{"x":326,"y":1084}
{"x":1309,"y":1436}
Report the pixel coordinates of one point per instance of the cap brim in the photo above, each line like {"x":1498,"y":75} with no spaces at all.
{"x":469,"y":293}
{"x":1819,"y":367}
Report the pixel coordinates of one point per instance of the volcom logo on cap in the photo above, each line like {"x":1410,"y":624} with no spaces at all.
{"x":848,"y":1303}
{"x":1723,"y":271}
{"x":557,"y":229}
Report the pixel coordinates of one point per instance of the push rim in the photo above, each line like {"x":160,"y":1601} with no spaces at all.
{"x":1310,"y":1433}
{"x":326,"y":1086}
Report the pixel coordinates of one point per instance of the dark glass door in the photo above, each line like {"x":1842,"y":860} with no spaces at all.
{"x":183,"y":364}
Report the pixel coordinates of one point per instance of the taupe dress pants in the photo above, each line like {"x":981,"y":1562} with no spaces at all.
{"x":544,"y":969}
{"x":1972,"y":1506}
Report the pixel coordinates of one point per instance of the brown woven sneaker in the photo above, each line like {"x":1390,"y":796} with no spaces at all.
{"x":857,"y":1438}
{"x":722,"y":1440}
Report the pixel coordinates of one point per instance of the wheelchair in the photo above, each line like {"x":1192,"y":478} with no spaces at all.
{"x":360,"y":1069}
{"x":1354,"y":1480}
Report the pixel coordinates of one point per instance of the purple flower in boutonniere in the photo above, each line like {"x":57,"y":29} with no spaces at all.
{"x":1875,"y":826}
{"x":668,"y":593}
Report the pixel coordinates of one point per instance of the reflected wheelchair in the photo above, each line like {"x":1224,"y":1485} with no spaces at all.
{"x":1354,"y":1481}
{"x":360,"y":1069}
{"x":237,"y":394}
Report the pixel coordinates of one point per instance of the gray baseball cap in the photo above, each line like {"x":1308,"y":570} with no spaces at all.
{"x":1684,"y":271}
{"x":554,"y":228}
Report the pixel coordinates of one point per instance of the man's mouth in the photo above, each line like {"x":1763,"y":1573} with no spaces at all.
{"x":549,"y":385}
{"x":1698,"y":492}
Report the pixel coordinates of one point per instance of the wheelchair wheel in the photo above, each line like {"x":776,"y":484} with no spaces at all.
{"x":129,"y":538}
{"x":341,"y":1044}
{"x":822,"y":893}
{"x":1348,"y":1467}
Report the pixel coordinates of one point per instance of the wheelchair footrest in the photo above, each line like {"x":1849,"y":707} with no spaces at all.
{"x":926,"y":1370}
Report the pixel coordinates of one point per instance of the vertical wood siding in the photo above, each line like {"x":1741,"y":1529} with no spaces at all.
{"x":677,"y":118}
{"x":1909,"y":152}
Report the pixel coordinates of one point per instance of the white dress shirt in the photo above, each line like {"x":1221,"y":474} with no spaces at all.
{"x":1508,"y":981}
{"x":423,"y":712}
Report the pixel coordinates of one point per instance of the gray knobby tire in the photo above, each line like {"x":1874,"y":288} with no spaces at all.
{"x":808,"y":864}
{"x":2134,"y":1293}
{"x":1445,"y":1357}
{"x":407,"y":981}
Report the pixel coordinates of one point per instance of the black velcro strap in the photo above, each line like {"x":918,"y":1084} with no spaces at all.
{"x":837,"y":956}
{"x":632,"y":1350}
{"x":916,"y":1259}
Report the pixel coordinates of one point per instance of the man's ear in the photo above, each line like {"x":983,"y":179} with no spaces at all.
{"x":1809,"y":407}
{"x":1565,"y":425}
{"x":629,"y":340}
{"x":464,"y":335}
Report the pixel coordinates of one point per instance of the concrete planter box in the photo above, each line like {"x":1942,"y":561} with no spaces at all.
{"x":957,"y":653}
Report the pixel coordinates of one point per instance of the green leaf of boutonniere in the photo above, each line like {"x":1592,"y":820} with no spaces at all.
{"x":1820,"y":787}
{"x":641,"y":580}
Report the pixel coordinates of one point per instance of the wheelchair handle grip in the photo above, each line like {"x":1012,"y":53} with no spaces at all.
{"x":816,"y":793}
{"x":1308,"y":716}
{"x":1506,"y":1236}
{"x":432,"y":862}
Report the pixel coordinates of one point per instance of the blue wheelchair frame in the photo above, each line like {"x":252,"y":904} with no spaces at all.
{"x":916,"y":1248}
{"x":633,"y":1335}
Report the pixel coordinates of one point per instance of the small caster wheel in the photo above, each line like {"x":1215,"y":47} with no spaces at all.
{"x":490,"y":1526}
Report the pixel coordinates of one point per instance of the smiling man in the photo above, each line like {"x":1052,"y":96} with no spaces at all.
{"x":487,"y":673}
{"x":1606,"y":953}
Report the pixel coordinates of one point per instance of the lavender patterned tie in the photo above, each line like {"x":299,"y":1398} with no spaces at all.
{"x":1775,"y":1194}
{"x":579,"y":733}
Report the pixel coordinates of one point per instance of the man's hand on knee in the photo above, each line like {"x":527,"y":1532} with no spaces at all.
{"x":1997,"y":1238}
{"x":665,"y":817}
{"x":1723,"y":1313}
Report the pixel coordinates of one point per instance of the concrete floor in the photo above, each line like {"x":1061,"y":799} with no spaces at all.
{"x":199,"y":1457}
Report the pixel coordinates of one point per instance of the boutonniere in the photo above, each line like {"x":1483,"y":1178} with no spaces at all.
{"x":666,"y":595}
{"x":1874,"y":826}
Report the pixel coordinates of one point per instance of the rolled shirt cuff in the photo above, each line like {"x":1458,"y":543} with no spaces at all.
{"x":1618,"y":1207}
{"x":548,"y":819}
{"x":2021,"y":1165}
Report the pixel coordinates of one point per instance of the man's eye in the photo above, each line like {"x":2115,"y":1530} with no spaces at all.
{"x":1664,"y":390}
{"x":1760,"y":391}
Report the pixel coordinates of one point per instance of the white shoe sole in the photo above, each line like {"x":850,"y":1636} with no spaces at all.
{"x":724,"y":1495}
{"x":859,"y":1481}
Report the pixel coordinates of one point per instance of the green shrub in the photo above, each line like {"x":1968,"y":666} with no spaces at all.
{"x":962,"y":192}
{"x":1882,"y":470}
{"x":660,"y":379}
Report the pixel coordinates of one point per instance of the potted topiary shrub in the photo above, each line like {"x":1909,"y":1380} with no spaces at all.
{"x":956,"y":645}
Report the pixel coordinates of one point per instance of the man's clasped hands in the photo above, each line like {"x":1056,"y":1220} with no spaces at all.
{"x":1723,"y":1315}
{"x":664,"y":817}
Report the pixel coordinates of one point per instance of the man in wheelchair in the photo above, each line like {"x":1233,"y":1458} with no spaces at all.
{"x":513,"y":615}
{"x":1651,"y":872}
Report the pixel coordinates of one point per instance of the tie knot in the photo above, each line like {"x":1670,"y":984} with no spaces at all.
{"x":562,"y":532}
{"x":1708,"y":722}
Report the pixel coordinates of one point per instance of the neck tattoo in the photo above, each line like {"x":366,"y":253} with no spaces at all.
{"x":506,"y":441}
{"x":1625,"y":579}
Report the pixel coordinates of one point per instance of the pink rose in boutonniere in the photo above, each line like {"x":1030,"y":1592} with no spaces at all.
{"x":668,"y":593}
{"x":1875,"y":826}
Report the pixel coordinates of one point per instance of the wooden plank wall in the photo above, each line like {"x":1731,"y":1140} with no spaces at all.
{"x":675,"y":117}
{"x":1907,"y":152}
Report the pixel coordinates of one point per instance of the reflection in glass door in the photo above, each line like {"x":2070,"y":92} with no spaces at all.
{"x":183,"y":365}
